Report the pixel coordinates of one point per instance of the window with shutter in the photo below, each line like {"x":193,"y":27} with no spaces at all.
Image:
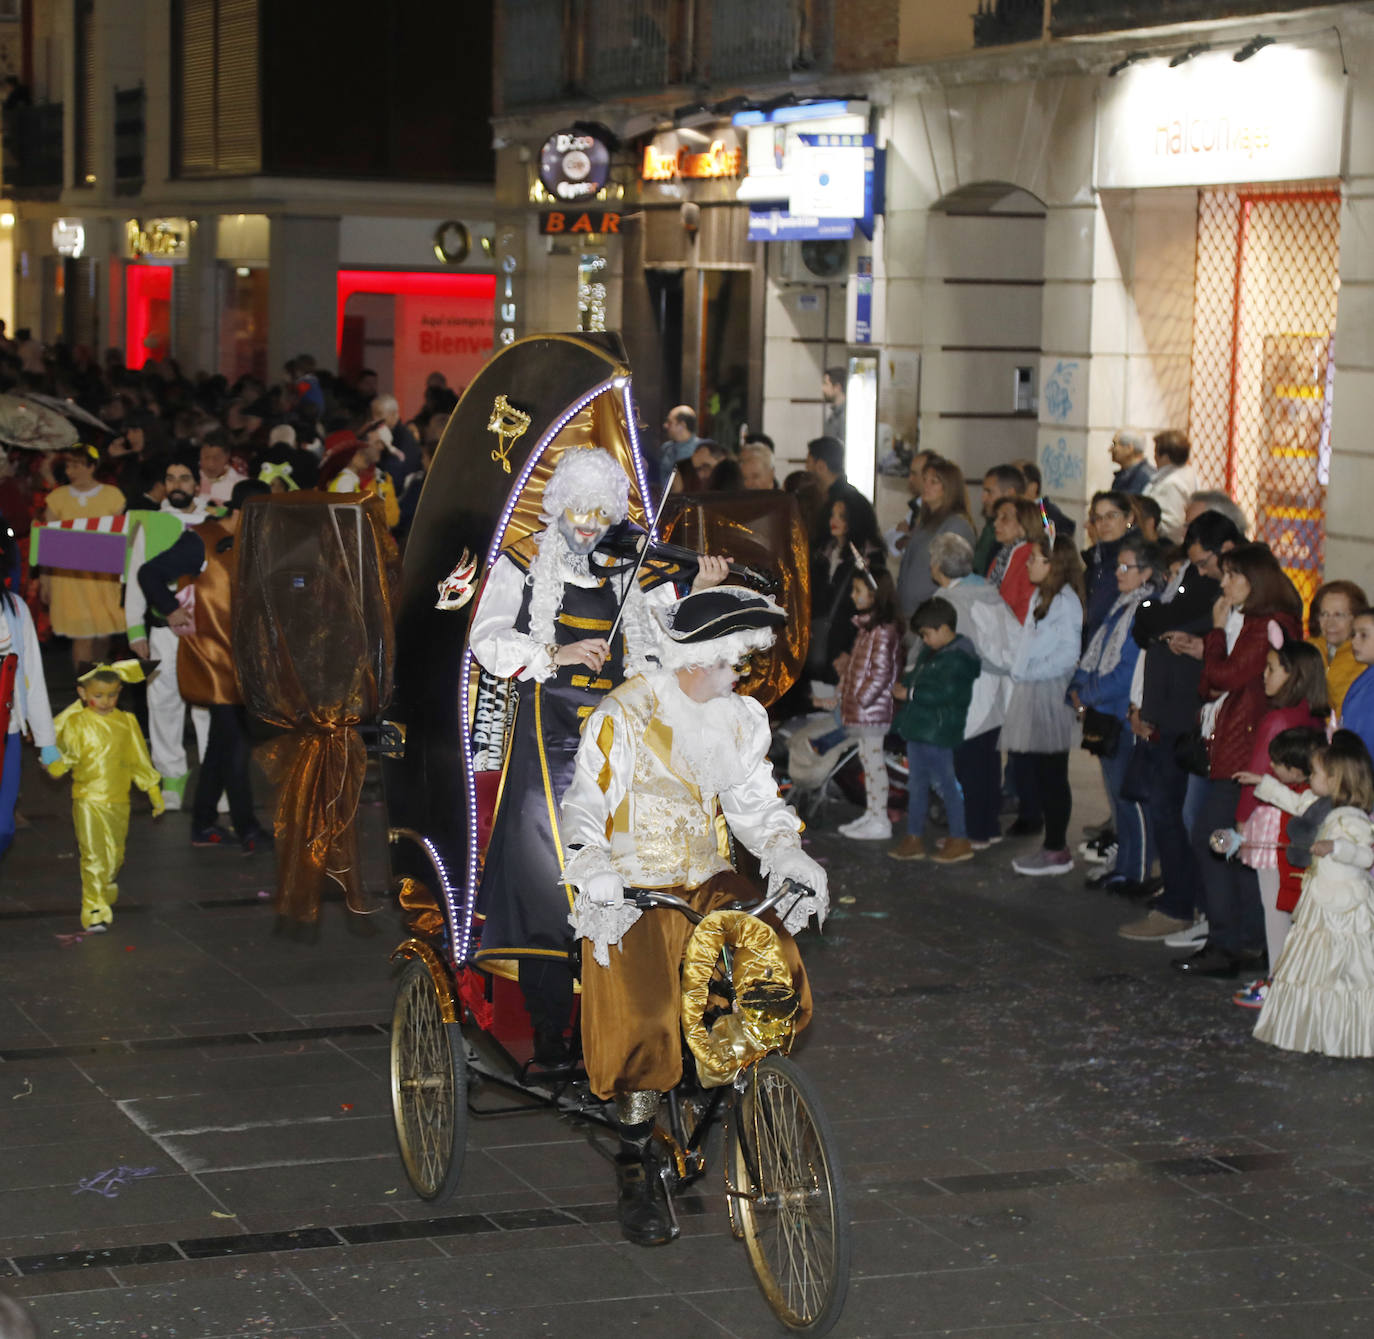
{"x":83,"y":126}
{"x":238,"y":139}
{"x":219,"y":116}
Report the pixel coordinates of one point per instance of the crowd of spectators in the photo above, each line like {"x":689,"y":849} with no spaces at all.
{"x":186,"y":453}
{"x":1170,"y":646}
{"x":1224,"y":712}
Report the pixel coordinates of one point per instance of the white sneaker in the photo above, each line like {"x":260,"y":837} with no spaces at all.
{"x":867,"y":828}
{"x":1193,"y":937}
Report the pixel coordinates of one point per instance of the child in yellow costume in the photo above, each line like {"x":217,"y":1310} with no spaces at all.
{"x":102,"y":747}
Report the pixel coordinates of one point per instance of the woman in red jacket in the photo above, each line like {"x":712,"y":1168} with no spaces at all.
{"x":1254,"y":591}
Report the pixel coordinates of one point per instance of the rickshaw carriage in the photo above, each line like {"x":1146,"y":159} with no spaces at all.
{"x":444,"y":738}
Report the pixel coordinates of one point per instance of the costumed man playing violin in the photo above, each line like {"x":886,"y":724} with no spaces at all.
{"x":545,"y":619}
{"x":664,"y":758}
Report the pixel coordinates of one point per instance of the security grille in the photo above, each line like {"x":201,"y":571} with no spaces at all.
{"x":1263,"y":323}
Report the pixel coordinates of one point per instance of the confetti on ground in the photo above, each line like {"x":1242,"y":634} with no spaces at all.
{"x":848,"y":898}
{"x":68,"y":941}
{"x":112,"y":1180}
{"x":264,"y":894}
{"x":25,"y":1092}
{"x":345,"y":1106}
{"x":215,"y":1213}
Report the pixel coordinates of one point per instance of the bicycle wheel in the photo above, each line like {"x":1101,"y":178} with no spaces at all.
{"x":794,"y":1214}
{"x":428,"y":1086}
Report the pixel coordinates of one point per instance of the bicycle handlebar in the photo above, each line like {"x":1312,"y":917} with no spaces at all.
{"x":645,"y":898}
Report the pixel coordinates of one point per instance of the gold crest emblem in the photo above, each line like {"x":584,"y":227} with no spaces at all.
{"x":509,"y":425}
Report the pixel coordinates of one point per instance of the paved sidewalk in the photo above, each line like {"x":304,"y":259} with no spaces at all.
{"x":1046,"y":1133}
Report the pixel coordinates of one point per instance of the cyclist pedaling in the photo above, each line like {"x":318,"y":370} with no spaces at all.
{"x":663,"y":758}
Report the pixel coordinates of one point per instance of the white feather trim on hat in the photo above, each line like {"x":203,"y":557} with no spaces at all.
{"x":732,"y":647}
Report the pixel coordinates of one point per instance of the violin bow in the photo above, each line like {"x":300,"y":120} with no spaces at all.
{"x":639,"y":562}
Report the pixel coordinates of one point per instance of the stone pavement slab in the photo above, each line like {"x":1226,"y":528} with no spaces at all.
{"x":1047,"y":1134}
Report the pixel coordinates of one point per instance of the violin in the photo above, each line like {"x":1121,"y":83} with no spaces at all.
{"x":629,"y":541}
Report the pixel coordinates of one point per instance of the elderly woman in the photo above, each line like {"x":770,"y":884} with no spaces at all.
{"x":986,"y":620}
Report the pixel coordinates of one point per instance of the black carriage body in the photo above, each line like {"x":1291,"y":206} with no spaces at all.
{"x":478,"y":482}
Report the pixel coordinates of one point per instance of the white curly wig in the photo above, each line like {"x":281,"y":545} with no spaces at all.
{"x":584,"y":479}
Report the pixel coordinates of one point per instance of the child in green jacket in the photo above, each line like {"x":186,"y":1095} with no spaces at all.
{"x":935,"y":696}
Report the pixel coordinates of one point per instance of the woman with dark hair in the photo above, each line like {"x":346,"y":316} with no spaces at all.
{"x":1330,"y":622}
{"x":726,"y":477}
{"x":853,"y":526}
{"x":1254,"y":592}
{"x":943,"y":511}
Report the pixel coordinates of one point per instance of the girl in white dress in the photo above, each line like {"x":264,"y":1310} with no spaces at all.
{"x":1322,"y":995}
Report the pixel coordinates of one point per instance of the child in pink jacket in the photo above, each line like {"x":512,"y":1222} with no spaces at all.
{"x":865,"y":697}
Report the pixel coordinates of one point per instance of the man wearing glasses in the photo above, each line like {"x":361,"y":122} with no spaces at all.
{"x":1133,"y":471}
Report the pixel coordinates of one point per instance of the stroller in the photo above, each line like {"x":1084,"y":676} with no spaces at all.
{"x":815,"y":779}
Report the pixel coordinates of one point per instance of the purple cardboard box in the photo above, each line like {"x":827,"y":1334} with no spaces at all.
{"x":78,"y":550}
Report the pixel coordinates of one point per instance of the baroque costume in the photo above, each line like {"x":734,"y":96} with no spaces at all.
{"x":661,"y":781}
{"x":542,"y":595}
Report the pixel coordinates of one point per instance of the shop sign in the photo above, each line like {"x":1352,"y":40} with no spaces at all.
{"x":506,"y":302}
{"x":833,"y":176}
{"x":68,"y":237}
{"x":574,"y":164}
{"x":862,"y":297}
{"x":163,"y":238}
{"x":777,"y":225}
{"x":666,"y":160}
{"x":452,"y":242}
{"x":775,"y":152}
{"x":1279,"y":116}
{"x":588,"y":221}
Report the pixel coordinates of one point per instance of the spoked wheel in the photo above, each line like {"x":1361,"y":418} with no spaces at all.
{"x":793,"y":1212}
{"x":428,"y":1086}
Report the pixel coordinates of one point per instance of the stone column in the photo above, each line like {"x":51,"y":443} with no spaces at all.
{"x":303,"y":297}
{"x":1349,"y":535}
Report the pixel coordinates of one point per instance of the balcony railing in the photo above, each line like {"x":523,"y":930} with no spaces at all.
{"x":1000,"y":22}
{"x":558,"y":49}
{"x":1072,"y":17}
{"x":628,"y":46}
{"x":129,"y":139}
{"x":33,"y":148}
{"x":535,"y":51}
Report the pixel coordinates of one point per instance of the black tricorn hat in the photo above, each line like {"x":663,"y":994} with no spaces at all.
{"x":721,"y":612}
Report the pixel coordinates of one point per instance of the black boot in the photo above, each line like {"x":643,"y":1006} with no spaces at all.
{"x":641,"y":1206}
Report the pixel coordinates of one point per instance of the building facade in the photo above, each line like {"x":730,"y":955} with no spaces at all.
{"x":232,"y":182}
{"x":1091,"y":215}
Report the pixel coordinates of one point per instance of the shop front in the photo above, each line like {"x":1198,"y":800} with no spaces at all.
{"x":143,"y":285}
{"x":1226,"y":175}
{"x":414,"y":297}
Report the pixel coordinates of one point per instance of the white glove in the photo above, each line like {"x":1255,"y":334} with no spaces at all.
{"x":605,"y":890}
{"x":791,"y":862}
